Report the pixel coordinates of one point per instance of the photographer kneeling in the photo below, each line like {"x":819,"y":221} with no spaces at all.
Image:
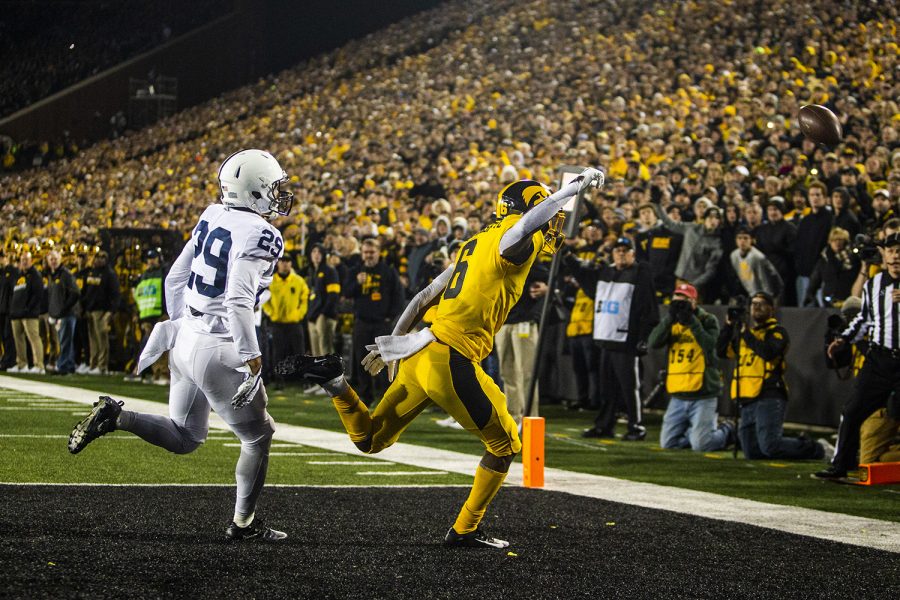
{"x":758,"y":383}
{"x":693,"y":379}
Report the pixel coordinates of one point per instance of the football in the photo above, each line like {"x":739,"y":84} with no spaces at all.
{"x":819,"y":124}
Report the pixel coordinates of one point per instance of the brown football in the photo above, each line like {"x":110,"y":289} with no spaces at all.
{"x":820,"y":124}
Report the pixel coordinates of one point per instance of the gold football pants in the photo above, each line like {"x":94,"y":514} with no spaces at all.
{"x":441,"y":375}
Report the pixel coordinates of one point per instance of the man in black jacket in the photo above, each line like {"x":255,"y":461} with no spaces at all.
{"x":7,"y":280}
{"x":25,"y":312}
{"x":324,"y":293}
{"x":378,"y":299}
{"x":100,"y":297}
{"x":775,"y":239}
{"x":63,"y":296}
{"x":812,"y":235}
{"x":625,"y":312}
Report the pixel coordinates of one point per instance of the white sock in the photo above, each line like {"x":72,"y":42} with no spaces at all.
{"x":242,"y":521}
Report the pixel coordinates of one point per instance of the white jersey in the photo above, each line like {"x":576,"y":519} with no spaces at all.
{"x":222,"y":272}
{"x":221,"y":237}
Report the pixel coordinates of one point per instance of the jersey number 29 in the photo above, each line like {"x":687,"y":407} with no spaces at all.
{"x":218,"y":260}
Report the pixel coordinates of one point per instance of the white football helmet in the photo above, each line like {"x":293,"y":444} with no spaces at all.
{"x":252,"y":179}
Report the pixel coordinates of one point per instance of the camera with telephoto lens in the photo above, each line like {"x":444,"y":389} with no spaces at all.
{"x":681,"y":311}
{"x":737,"y":309}
{"x":865,"y":248}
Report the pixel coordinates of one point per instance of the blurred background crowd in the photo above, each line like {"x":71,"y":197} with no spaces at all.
{"x":407,"y":135}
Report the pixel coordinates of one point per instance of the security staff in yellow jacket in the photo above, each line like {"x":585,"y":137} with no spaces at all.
{"x":693,"y":379}
{"x":758,"y":383}
{"x":286,"y":309}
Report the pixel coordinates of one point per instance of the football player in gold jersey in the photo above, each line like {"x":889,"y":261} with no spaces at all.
{"x":441,"y":364}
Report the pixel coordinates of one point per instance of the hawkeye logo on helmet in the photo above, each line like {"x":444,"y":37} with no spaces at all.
{"x":520,"y":196}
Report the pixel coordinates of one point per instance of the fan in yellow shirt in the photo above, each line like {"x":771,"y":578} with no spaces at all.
{"x":286,"y":309}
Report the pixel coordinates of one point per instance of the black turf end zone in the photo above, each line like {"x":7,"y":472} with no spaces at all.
{"x":367,"y":543}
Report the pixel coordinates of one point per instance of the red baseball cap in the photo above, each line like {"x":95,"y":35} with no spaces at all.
{"x":686,"y":289}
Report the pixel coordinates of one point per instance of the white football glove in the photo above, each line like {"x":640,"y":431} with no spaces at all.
{"x":592,"y":178}
{"x":247,"y":390}
{"x":372,"y":363}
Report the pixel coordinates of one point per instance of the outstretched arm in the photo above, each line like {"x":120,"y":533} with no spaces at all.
{"x":422,"y":301}
{"x":518,"y":237}
{"x":176,"y":281}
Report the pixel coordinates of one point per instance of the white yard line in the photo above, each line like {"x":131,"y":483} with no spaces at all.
{"x":849,"y":529}
{"x":394,"y":473}
{"x":346,"y":462}
{"x":301,"y":454}
{"x":231,"y":485}
{"x":42,"y":408}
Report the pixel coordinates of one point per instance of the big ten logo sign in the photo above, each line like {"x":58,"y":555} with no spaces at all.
{"x":610,"y":307}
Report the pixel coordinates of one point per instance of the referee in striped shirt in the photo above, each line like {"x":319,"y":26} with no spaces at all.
{"x":880,"y":374}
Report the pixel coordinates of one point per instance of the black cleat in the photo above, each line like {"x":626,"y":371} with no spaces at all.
{"x":831,"y":472}
{"x":593,"y":432}
{"x":635,"y":435}
{"x":254,"y":531}
{"x":316,"y":369}
{"x":474,"y":539}
{"x":101,"y":421}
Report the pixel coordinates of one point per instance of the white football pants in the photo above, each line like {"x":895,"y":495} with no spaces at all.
{"x":204,"y":376}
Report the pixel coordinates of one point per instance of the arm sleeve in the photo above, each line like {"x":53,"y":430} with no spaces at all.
{"x":706,"y":332}
{"x":332,"y":292}
{"x":774,"y":278}
{"x":773,"y":345}
{"x":723,"y":344}
{"x":176,"y":282}
{"x":534,"y":219}
{"x":673,"y":226}
{"x":659,"y":335}
{"x":304,"y":297}
{"x":240,"y":301}
{"x":857,"y":327}
{"x":422,"y":300}
{"x":72,"y":293}
{"x":351,"y":285}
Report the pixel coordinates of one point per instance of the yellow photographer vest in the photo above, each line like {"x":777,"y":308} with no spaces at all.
{"x":686,"y":361}
{"x":753,"y":369}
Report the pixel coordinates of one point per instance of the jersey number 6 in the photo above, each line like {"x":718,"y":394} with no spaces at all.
{"x":218,"y":261}
{"x":459,"y":274}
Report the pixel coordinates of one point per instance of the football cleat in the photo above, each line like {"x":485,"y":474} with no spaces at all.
{"x":831,"y":472}
{"x":254,"y":531}
{"x":317,"y":369}
{"x":99,"y":422}
{"x":473,"y":539}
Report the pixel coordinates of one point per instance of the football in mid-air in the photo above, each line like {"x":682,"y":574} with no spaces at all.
{"x":819,"y":124}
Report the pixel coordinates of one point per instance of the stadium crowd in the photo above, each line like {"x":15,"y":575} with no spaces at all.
{"x":407,"y":135}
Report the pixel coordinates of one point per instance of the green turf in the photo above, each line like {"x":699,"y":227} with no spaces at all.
{"x":781,"y":482}
{"x":33,"y":437}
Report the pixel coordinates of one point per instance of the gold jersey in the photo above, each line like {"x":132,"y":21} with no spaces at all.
{"x":482,"y":290}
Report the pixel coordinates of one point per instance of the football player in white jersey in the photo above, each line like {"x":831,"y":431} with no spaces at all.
{"x":211,"y":292}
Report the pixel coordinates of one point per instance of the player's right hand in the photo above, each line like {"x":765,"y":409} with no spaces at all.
{"x":373,"y":363}
{"x":247,"y":390}
{"x":591,"y":178}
